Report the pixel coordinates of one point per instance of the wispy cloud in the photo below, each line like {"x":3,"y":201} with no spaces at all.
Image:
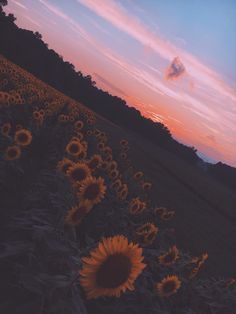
{"x":20,"y":5}
{"x":116,"y":14}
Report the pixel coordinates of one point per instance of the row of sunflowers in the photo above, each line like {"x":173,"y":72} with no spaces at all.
{"x":78,"y":220}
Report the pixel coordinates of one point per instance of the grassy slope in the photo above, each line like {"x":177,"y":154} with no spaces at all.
{"x":205,"y":210}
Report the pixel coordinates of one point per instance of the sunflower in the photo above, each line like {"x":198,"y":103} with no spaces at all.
{"x":77,"y":213}
{"x":78,"y":172}
{"x":61,"y":118}
{"x":36,"y":115}
{"x":122,"y":192}
{"x":116,"y":184}
{"x":12,"y":152}
{"x":78,"y":125}
{"x":168,"y":286}
{"x":124,"y":142}
{"x":112,"y":267}
{"x":89,"y":133}
{"x":136,"y":206}
{"x":95,"y":162}
{"x":23,"y":137}
{"x":199,"y":263}
{"x":92,"y":189}
{"x":146,"y":233}
{"x":160,"y":210}
{"x":123,"y":156}
{"x":138,"y":175}
{"x":112,"y":165}
{"x":146,"y":186}
{"x":113,"y":174}
{"x":74,"y":148}
{"x":5,"y":129}
{"x":96,"y":132}
{"x":167,"y":215}
{"x":64,"y":164}
{"x":169,"y":257}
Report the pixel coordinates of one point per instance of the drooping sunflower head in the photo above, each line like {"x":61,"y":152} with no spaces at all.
{"x":23,"y":137}
{"x":116,"y":184}
{"x":95,"y":162}
{"x":136,"y":206}
{"x":77,"y":213}
{"x":169,"y":257}
{"x":122,"y":192}
{"x":138,"y":175}
{"x":74,"y":148}
{"x":12,"y":152}
{"x":168,"y":286}
{"x":112,"y":165}
{"x":92,"y":189}
{"x":199,"y":263}
{"x":124,"y":142}
{"x":5,"y":129}
{"x":146,"y":233}
{"x":167,"y":215}
{"x":64,"y":164}
{"x":78,"y":172}
{"x":112,"y":267}
{"x":146,"y":186}
{"x":160,"y":210}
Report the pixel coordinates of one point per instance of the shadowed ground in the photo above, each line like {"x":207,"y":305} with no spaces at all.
{"x":205,"y":218}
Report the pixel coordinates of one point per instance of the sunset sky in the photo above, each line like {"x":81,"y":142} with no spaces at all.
{"x":172,"y":60}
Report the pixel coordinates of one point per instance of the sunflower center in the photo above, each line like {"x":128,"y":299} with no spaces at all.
{"x":93,"y":163}
{"x":22,"y":137}
{"x":114,"y":271}
{"x":74,"y":148}
{"x":78,"y":174}
{"x":169,"y":257}
{"x":169,"y":286}
{"x":92,"y":191}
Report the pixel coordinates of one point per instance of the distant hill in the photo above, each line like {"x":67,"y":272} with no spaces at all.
{"x":28,"y":50}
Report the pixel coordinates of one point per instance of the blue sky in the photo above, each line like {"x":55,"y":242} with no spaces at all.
{"x":132,"y":47}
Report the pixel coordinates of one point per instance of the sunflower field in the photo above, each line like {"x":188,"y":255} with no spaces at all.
{"x":79,"y":231}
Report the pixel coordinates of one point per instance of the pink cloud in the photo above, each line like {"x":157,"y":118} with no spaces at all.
{"x":117,"y":15}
